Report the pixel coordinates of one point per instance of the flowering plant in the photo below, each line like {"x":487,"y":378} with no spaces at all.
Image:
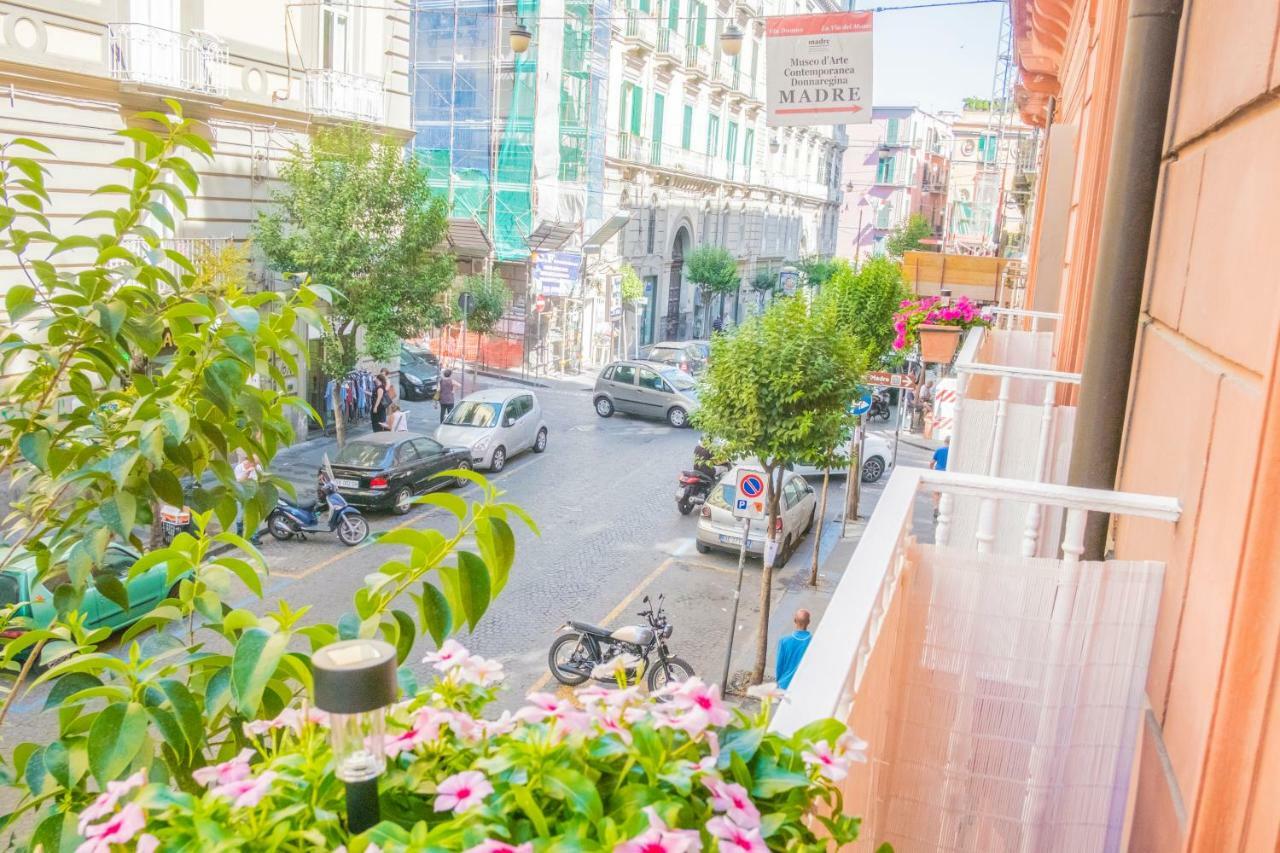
{"x":604,"y":770}
{"x":930,"y":311}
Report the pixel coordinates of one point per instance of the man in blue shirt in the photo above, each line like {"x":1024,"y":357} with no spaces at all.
{"x":940,"y":456}
{"x":792,"y":648}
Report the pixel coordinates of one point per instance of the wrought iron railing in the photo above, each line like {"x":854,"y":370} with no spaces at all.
{"x":147,"y":55}
{"x":342,"y":95}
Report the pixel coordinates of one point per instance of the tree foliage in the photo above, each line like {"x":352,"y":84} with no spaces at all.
{"x":631,"y":287}
{"x":713,"y":269}
{"x":488,"y":301}
{"x":817,"y":270}
{"x":358,"y":217}
{"x":908,"y":237}
{"x":866,"y":301}
{"x":128,"y":370}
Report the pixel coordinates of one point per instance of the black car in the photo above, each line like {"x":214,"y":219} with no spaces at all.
{"x":386,"y":469}
{"x":419,"y":373}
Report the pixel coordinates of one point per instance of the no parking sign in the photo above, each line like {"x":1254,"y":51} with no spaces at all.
{"x":748,"y":502}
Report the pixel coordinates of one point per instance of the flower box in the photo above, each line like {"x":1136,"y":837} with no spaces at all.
{"x":938,"y":343}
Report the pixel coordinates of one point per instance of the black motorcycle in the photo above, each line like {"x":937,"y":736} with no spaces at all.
{"x":589,"y":651}
{"x":693,"y":489}
{"x":879,"y":406}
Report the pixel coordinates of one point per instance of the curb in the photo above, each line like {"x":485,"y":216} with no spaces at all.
{"x":918,"y":442}
{"x":506,"y":377}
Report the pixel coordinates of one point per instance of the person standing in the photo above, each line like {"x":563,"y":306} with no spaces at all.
{"x":397,"y":419}
{"x":448,"y":394}
{"x":246,"y":470}
{"x":792,"y":647}
{"x":939,"y":462}
{"x":381,"y":402}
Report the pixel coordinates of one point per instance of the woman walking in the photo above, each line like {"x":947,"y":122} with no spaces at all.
{"x":381,"y":402}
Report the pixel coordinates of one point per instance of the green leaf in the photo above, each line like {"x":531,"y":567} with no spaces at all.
{"x":529,"y":806}
{"x":825,"y":730}
{"x":248,"y":574}
{"x":498,"y":548}
{"x":110,"y":317}
{"x":743,"y":742}
{"x":166,"y":486}
{"x":119,"y":512}
{"x":34,"y":447}
{"x":444,"y":500}
{"x":76,"y":241}
{"x":116,"y":736}
{"x":20,"y":300}
{"x":176,"y":423}
{"x":256,"y":656}
{"x":576,"y":789}
{"x":771,"y":780}
{"x":151,"y":142}
{"x":222,"y":381}
{"x":246,"y":318}
{"x":473,"y":585}
{"x":27,"y":142}
{"x":69,"y":685}
{"x":110,"y":588}
{"x":406,"y":635}
{"x":436,"y":615}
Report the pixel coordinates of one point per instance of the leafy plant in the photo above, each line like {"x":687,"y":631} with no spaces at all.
{"x":608,"y":770}
{"x":908,"y":237}
{"x":932,"y":311}
{"x":818,"y":270}
{"x":777,"y":389}
{"x":714,"y":270}
{"x":866,"y":302}
{"x":631,"y":288}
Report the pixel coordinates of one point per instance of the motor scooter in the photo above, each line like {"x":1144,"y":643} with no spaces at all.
{"x":292,"y":519}
{"x":694,"y":487}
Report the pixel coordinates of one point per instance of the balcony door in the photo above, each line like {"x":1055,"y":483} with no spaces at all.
{"x":335,"y":35}
{"x":154,"y":43}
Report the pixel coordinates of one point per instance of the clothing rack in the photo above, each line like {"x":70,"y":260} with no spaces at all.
{"x":355,"y":395}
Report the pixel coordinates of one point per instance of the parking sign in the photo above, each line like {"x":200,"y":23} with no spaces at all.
{"x":748,"y":501}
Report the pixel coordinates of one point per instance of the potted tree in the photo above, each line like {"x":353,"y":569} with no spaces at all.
{"x":934,"y":326}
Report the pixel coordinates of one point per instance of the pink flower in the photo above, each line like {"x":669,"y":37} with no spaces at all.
{"x":462,"y":792}
{"x":543,"y":706}
{"x":451,"y":654}
{"x":489,"y":845}
{"x":246,"y":793}
{"x":906,"y":303}
{"x":611,"y":723}
{"x":481,"y":671}
{"x":465,"y":726}
{"x":659,"y":838}
{"x":701,"y":704}
{"x":425,"y":727}
{"x":830,"y":764}
{"x":733,"y":801}
{"x":293,"y":719}
{"x":118,"y":829}
{"x":621,"y":698}
{"x":768,"y":692}
{"x":733,"y":837}
{"x":107,"y":800}
{"x":232,"y":770}
{"x":505,"y":724}
{"x":708,"y":762}
{"x":852,"y":747}
{"x":147,"y":843}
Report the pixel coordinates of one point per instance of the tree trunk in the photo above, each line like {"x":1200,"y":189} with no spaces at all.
{"x":817,"y":532}
{"x":766,"y":577}
{"x":339,"y":417}
{"x":155,"y":537}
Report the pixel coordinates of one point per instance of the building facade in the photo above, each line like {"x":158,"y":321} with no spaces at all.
{"x":894,"y":168}
{"x":258,"y":76}
{"x":1202,"y":420}
{"x":988,"y":191}
{"x":621,"y":136}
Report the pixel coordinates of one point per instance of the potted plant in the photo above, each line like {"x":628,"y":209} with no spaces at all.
{"x":935,"y":326}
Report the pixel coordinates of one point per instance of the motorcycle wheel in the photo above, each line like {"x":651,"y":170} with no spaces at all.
{"x":684,"y":504}
{"x":353,"y":529}
{"x":675,"y":671}
{"x":279,"y":528}
{"x":565,"y":645}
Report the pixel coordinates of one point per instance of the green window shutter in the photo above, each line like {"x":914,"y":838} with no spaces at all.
{"x":686,"y":135}
{"x":637,"y":109}
{"x":891,"y":135}
{"x":659,"y":102}
{"x":749,"y":145}
{"x":673,"y":15}
{"x":644,"y":5}
{"x":731,"y":142}
{"x":713,"y":135}
{"x":700,"y":38}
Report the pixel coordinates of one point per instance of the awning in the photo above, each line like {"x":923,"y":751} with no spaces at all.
{"x":605,"y":232}
{"x":467,"y":238}
{"x":550,"y":236}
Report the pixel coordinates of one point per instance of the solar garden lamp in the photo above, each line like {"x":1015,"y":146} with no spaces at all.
{"x":355,"y":682}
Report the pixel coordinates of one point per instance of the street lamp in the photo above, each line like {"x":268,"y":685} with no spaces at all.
{"x":774,"y":145}
{"x":863,"y":204}
{"x":519,"y":37}
{"x":355,"y":681}
{"x":731,"y":40}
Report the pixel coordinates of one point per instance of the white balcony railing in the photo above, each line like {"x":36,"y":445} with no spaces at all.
{"x":641,"y":29}
{"x":147,"y":55}
{"x":671,"y":46}
{"x":697,"y":61}
{"x":342,"y":95}
{"x":1000,"y":695}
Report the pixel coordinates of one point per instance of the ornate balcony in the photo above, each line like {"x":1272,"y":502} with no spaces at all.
{"x":697,"y":62}
{"x":1000,"y":695}
{"x":640,"y":32}
{"x":150,"y":56}
{"x":671,"y":48}
{"x":345,"y":96}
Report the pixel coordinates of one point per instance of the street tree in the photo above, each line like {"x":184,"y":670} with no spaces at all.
{"x":778,"y":390}
{"x":713,"y":269}
{"x":487,"y":299}
{"x":631,"y":291}
{"x":127,"y":370}
{"x":908,"y":237}
{"x":358,"y":217}
{"x":817,"y":270}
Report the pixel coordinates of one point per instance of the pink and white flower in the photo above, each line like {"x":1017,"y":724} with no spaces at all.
{"x":246,"y":793}
{"x":769,"y":692}
{"x":293,"y":719}
{"x":707,"y":764}
{"x":732,"y":800}
{"x":466,"y":727}
{"x":481,"y":671}
{"x":118,"y":829}
{"x":424,"y":728}
{"x":610,"y":722}
{"x":701,"y":705}
{"x":147,"y":843}
{"x":490,"y":845}
{"x":852,"y":747}
{"x":451,"y":654}
{"x":504,"y":725}
{"x":659,"y":838}
{"x":106,"y":802}
{"x":734,"y":838}
{"x":462,"y":792}
{"x":830,"y":764}
{"x":232,"y":770}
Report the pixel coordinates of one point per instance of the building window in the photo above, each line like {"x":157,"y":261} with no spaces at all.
{"x":698,"y":24}
{"x":673,"y":15}
{"x":731,"y":143}
{"x":891,"y":132}
{"x":713,"y":135}
{"x":686,"y":133}
{"x":632,"y":109}
{"x":884,"y":170}
{"x":335,"y":35}
{"x":653,"y":227}
{"x":988,"y":147}
{"x":748,"y":146}
{"x":659,"y":104}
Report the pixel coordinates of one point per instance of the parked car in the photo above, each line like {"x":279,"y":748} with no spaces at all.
{"x":386,"y":470}
{"x":719,"y":530}
{"x":18,"y":583}
{"x":689,"y":356}
{"x":494,"y":425}
{"x":877,"y":457}
{"x":647,"y":389}
{"x":419,"y":373}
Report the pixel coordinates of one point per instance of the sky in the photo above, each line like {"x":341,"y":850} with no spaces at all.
{"x":932,"y":58}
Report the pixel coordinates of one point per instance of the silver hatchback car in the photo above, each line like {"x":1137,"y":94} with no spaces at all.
{"x":646,"y":389}
{"x":495,"y":424}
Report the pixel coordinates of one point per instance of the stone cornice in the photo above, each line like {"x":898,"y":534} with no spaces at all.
{"x":1040,"y":30}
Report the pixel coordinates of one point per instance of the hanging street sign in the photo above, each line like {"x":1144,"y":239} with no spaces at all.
{"x":886,"y":379}
{"x":818,"y":69}
{"x":748,"y":501}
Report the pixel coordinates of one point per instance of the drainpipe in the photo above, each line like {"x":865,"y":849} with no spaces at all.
{"x":1151,"y":41}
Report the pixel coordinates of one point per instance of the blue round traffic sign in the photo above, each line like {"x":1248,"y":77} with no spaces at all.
{"x":860,"y":407}
{"x":752,"y":486}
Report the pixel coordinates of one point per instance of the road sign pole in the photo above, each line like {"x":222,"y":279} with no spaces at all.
{"x":737,"y":595}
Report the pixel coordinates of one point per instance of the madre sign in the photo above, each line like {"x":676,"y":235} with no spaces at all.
{"x":748,"y":501}
{"x":818,"y":69}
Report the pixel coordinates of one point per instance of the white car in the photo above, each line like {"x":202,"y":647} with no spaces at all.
{"x":877,"y":458}
{"x":719,"y":530}
{"x":495,"y":424}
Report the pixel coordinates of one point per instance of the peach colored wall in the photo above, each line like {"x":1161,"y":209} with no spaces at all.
{"x":1204,"y":413}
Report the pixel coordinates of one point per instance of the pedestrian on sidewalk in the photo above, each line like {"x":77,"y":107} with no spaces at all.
{"x":381,"y":402}
{"x":397,"y":419}
{"x":939,"y":462}
{"x":792,"y":647}
{"x":448,"y":394}
{"x":246,"y":469}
